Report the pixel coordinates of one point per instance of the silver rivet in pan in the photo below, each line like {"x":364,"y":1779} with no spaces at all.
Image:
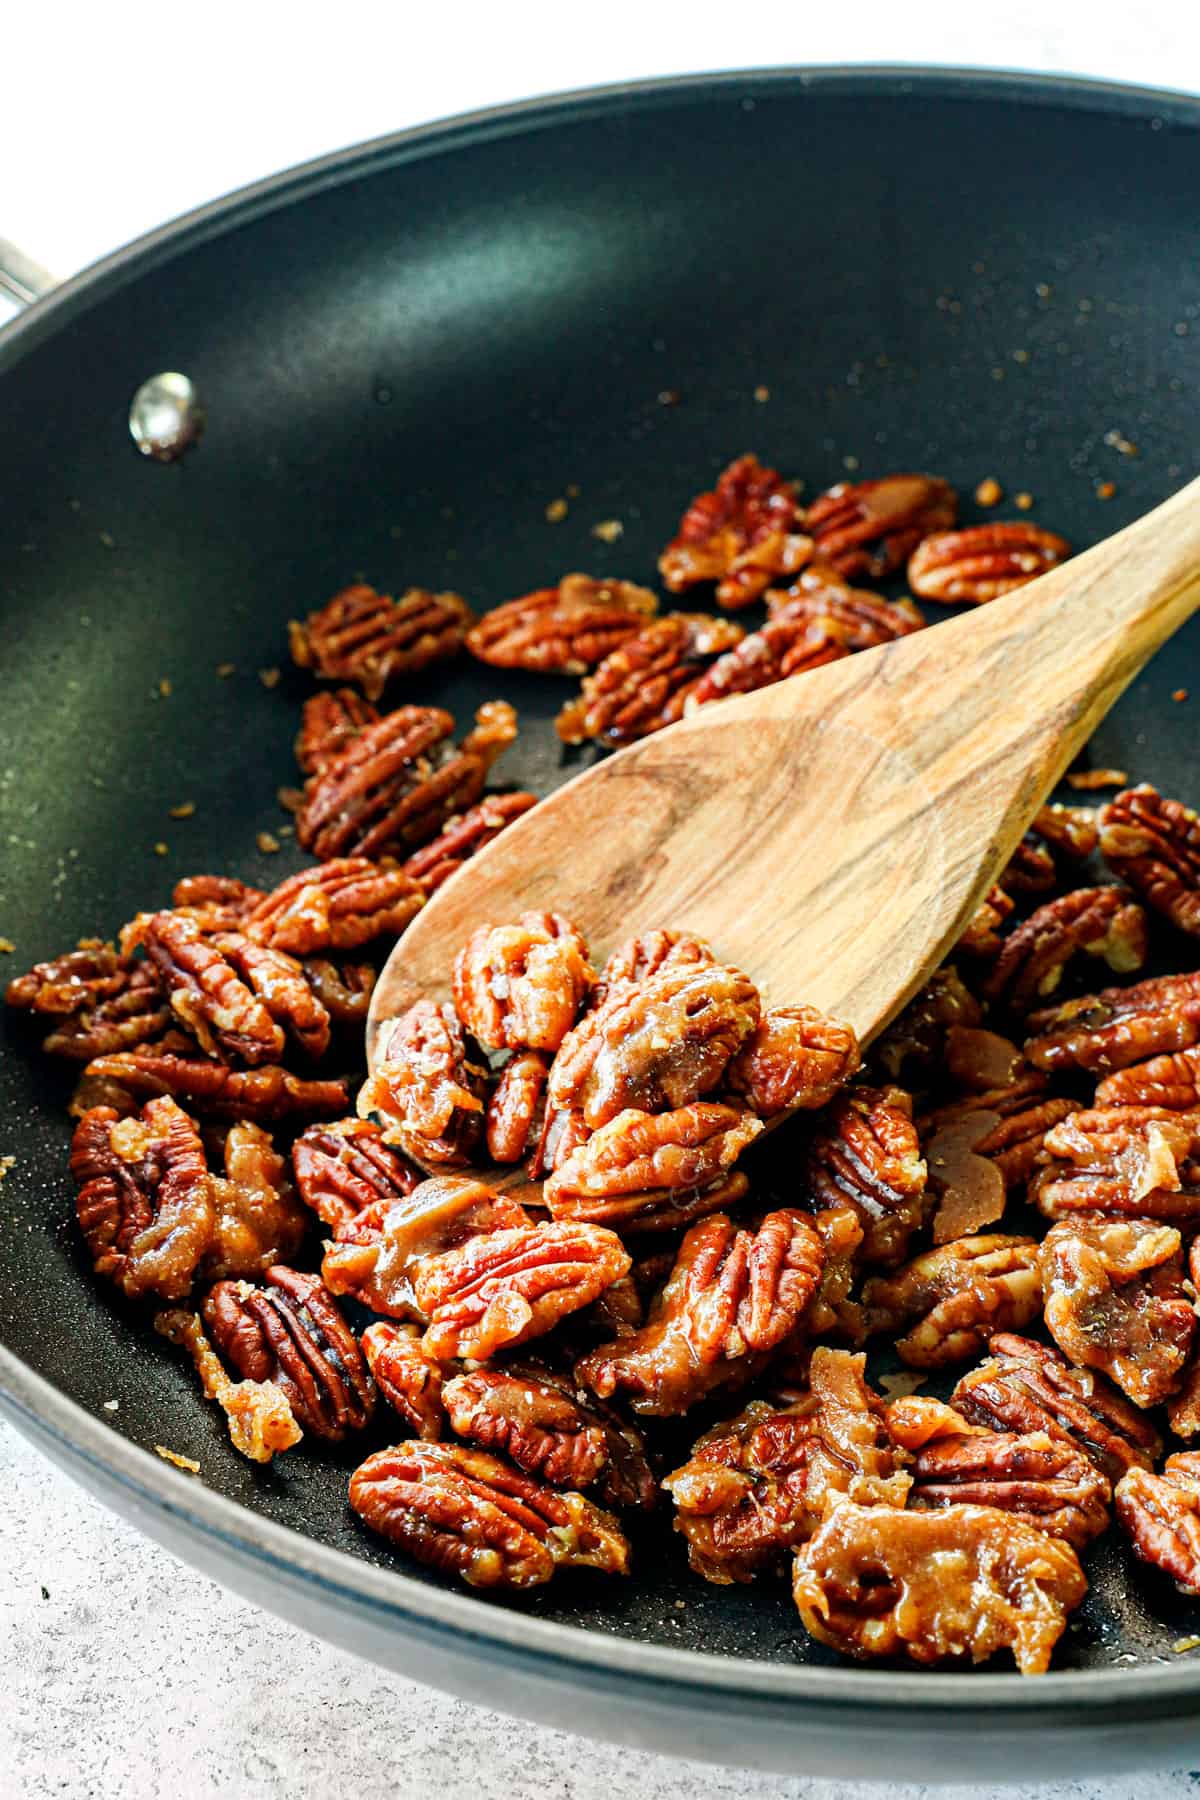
{"x":166,"y":417}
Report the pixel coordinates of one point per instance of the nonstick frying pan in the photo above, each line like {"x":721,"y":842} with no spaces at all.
{"x":406,"y":351}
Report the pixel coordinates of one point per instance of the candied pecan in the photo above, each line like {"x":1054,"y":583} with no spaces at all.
{"x":212,"y":1090}
{"x":291,"y":1332}
{"x":966,"y":1582}
{"x":1117,"y":1026}
{"x":328,"y":722}
{"x":982,"y":935}
{"x":982,"y":562}
{"x":340,"y":905}
{"x":560,"y":1136}
{"x":428,"y":1086}
{"x":851,"y":1454}
{"x":407,"y":1376}
{"x":1171,"y":1082}
{"x":740,"y":1497}
{"x":434,"y":863}
{"x":640,"y":1162}
{"x":221,"y":897}
{"x":1030,"y":869}
{"x":367,"y":637}
{"x":145,"y":1202}
{"x":638,"y":958}
{"x":1134,"y":1160}
{"x":515,"y":1110}
{"x":1101,"y":921}
{"x":831,"y":1312}
{"x":732,"y":1296}
{"x":657,"y":1045}
{"x":984,"y":1147}
{"x":951,"y":1299}
{"x":870,"y":527}
{"x":915,"y":1041}
{"x":137,"y":1014}
{"x":343,"y":1168}
{"x":1161,"y":1514}
{"x":344,"y":990}
{"x":257,"y":1219}
{"x":1074,"y":830}
{"x":76,"y":982}
{"x":519,"y":987}
{"x":397,"y":783}
{"x":1026,"y":1387}
{"x":1115,"y":1301}
{"x":1039,"y":1477}
{"x":206,"y":992}
{"x":280,"y":982}
{"x":743,"y":535}
{"x":645,"y":682}
{"x":865,"y":1152}
{"x":381,"y":1246}
{"x":795,"y":1057}
{"x":548,"y":1429}
{"x":259,"y":1414}
{"x":470,"y":1514}
{"x":857,"y":618}
{"x":562,"y":630}
{"x":502,"y":1288}
{"x":1154,"y":844}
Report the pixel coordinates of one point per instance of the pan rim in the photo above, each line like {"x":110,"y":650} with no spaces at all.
{"x":557,"y":1651}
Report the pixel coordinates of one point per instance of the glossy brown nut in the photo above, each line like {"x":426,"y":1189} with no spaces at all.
{"x":435,"y":862}
{"x":982,"y":937}
{"x":870,"y":527}
{"x":983,"y":562}
{"x":640,"y":1162}
{"x":328,"y":723}
{"x":638,"y":958}
{"x":210,"y":1089}
{"x":1154,"y":844}
{"x":470,"y":1514}
{"x":369,"y":638}
{"x":1139,"y":1161}
{"x":1118,"y":1026}
{"x":645,"y":682}
{"x":949,"y":1301}
{"x":562,"y":630}
{"x":740,"y":1497}
{"x":344,"y":989}
{"x":865,"y":1153}
{"x":732,"y":1297}
{"x":520,"y":986}
{"x":515,"y":1111}
{"x":1026,"y":1387}
{"x":207,"y":994}
{"x":259,"y":1414}
{"x":338,"y":905}
{"x":852,"y":1454}
{"x":282,"y":985}
{"x":135,"y":1014}
{"x":655,"y":1046}
{"x":343,"y":1168}
{"x":1115,"y":1300}
{"x":1072,"y":830}
{"x":744,"y":534}
{"x":963,"y":1583}
{"x":145,"y":1204}
{"x":290,"y":1332}
{"x":1101,"y":922}
{"x":795,"y":1057}
{"x":407,"y":1376}
{"x":1161,"y":1517}
{"x":1030,"y":869}
{"x":429,"y":1087}
{"x":75,"y":982}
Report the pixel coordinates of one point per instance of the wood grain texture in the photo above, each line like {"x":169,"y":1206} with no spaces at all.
{"x":832,"y":834}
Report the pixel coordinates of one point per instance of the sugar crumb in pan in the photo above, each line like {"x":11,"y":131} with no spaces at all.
{"x":187,"y":1463}
{"x":160,"y":849}
{"x":556,"y":510}
{"x":989,"y":492}
{"x":1097,"y":778}
{"x":1023,"y":501}
{"x":608,"y":530}
{"x":225,"y":670}
{"x":6,"y":1163}
{"x":269,"y":677}
{"x":1105,"y":490}
{"x":1178,"y":696}
{"x":6,"y":946}
{"x":184,"y":810}
{"x":267,"y":842}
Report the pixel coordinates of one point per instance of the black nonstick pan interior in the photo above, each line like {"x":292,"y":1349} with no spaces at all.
{"x":406,"y":354}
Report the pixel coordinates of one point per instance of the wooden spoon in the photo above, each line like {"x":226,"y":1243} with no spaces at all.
{"x":832,"y":835}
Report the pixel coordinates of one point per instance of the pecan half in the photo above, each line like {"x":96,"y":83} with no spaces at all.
{"x":962,"y":1583}
{"x":328,"y":723}
{"x":1171,"y":1082}
{"x":638,"y":958}
{"x":732,"y":1296}
{"x":1154,"y":844}
{"x":865,"y":1152}
{"x":852,"y":1455}
{"x":914,"y":1044}
{"x":137,"y":1014}
{"x":282,"y":985}
{"x":76,"y":982}
{"x":1038,"y":1477}
{"x":983,"y":562}
{"x":548,"y":1429}
{"x":1117,"y":1026}
{"x":641,"y":1162}
{"x":407,"y":1376}
{"x":740,"y":1497}
{"x":339,"y":905}
{"x":258,"y":1413}
{"x":257,"y":1219}
{"x":646,"y":681}
{"x":519,"y":987}
{"x":1140,"y":1161}
{"x":744,"y":534}
{"x":562,"y":630}
{"x":207,"y":994}
{"x":210,"y":1089}
{"x":1115,"y":1300}
{"x":515,"y":1111}
{"x":1161,"y":1514}
{"x":344,"y":989}
{"x":213,"y":902}
{"x":368,"y":638}
{"x":434,"y":863}
{"x":469,"y":1514}
{"x":398,"y":782}
{"x":343,"y":1168}
{"x":655,"y":1046}
{"x":870,"y":527}
{"x":795,"y":1057}
{"x":428,"y":1086}
{"x":1025,"y":1386}
{"x":375,"y":1260}
{"x":1030,"y":869}
{"x":1101,"y":921}
{"x":1072,"y":830}
{"x":982,"y":936}
{"x":951,"y":1299}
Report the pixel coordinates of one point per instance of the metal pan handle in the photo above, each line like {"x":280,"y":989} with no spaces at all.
{"x":21,"y":279}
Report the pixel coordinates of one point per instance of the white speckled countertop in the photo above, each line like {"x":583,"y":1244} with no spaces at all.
{"x":123,"y":1673}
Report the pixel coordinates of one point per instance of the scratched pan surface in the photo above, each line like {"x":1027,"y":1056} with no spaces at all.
{"x":406,"y":353}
